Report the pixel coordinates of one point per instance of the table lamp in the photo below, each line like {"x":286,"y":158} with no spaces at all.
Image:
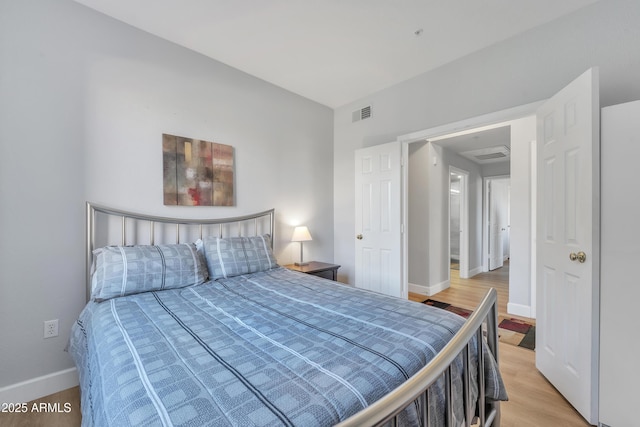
{"x":301,"y":234}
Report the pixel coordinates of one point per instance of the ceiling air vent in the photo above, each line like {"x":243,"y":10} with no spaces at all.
{"x":491,"y":156}
{"x":488,"y":155}
{"x":361,"y":114}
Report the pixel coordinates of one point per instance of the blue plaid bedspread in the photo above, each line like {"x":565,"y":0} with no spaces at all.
{"x":269,"y":348}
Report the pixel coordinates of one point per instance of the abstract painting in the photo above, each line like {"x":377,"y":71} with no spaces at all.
{"x":196,"y":172}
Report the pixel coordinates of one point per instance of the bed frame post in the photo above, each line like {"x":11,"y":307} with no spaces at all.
{"x":492,"y":342}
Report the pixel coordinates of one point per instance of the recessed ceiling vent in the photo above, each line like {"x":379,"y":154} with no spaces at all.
{"x":488,"y":155}
{"x":491,"y":156}
{"x":361,"y":114}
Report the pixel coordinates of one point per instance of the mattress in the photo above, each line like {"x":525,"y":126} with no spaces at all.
{"x":269,"y":348}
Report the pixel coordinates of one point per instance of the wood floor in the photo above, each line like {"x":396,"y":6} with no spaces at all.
{"x":532,"y":399}
{"x":467,"y":293}
{"x":57,"y":410}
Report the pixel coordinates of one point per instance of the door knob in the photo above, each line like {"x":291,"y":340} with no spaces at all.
{"x":359,"y":237}
{"x":580,"y":256}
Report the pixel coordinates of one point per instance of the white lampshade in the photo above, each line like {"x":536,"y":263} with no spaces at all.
{"x":301,"y":234}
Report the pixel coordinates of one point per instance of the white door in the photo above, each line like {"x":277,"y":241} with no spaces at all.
{"x":459,"y":232}
{"x":496,"y":224}
{"x":378,"y":233}
{"x":568,"y":227}
{"x":455,"y":217}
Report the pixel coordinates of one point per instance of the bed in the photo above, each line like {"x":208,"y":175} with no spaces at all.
{"x":205,"y":328}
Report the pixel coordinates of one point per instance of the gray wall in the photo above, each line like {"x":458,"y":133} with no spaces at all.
{"x":84,"y":101}
{"x":521,"y":70}
{"x":428,"y":201}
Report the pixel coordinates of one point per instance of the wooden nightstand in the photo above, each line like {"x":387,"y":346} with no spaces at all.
{"x":320,"y":269}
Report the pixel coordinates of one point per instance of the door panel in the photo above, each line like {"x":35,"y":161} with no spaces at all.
{"x":498,"y":221}
{"x":378,"y":220}
{"x":568,"y":292}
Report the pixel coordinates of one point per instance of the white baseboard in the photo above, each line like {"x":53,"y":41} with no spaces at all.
{"x":519,"y":310}
{"x":429,"y":290}
{"x":475,"y":271}
{"x":418,"y":289}
{"x":38,"y":387}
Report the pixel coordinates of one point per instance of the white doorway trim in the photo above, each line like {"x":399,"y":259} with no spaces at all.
{"x":534,"y":210}
{"x":474,"y":124}
{"x":464,"y":221}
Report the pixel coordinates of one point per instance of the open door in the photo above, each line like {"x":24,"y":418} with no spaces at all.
{"x":459,"y":221}
{"x":378,"y":222}
{"x":567,"y":333}
{"x":498,"y":200}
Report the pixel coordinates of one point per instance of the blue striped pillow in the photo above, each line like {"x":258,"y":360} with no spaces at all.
{"x":126,"y":270}
{"x":234,"y":256}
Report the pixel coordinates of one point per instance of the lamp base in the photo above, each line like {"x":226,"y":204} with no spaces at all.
{"x":300,"y":264}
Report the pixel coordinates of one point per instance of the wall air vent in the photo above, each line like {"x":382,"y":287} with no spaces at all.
{"x":488,"y":155}
{"x":361,"y":114}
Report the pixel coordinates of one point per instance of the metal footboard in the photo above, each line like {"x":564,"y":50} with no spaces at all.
{"x":415,"y":389}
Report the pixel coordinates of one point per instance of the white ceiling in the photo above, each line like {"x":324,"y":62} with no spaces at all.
{"x":335,"y":51}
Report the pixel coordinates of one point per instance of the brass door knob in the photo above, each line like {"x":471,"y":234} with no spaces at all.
{"x":359,"y":237}
{"x":580,"y":257}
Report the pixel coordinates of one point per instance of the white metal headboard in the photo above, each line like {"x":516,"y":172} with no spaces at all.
{"x":109,"y":226}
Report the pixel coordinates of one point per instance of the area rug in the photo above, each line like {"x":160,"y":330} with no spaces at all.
{"x":510,"y":331}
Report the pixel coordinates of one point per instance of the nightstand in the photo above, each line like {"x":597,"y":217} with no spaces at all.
{"x":316,"y":268}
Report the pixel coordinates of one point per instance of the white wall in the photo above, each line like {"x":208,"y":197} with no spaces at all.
{"x":84,"y":101}
{"x":418,"y":214}
{"x":521,"y":236}
{"x":518,"y":71}
{"x":496,"y":169}
{"x":619,"y":290}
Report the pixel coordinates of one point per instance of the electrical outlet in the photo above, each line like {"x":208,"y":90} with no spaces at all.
{"x":50,"y":328}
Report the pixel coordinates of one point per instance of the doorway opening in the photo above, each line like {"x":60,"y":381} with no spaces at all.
{"x":564,"y":205}
{"x":454,"y":221}
{"x":435,"y":228}
{"x":458,"y":221}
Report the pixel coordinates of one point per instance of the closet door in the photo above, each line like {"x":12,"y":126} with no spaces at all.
{"x":378,"y":228}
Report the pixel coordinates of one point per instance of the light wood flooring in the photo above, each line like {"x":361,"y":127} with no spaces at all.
{"x":53,"y":415}
{"x":532,"y":399}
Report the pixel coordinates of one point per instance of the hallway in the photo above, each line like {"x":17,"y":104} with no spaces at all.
{"x":467,"y":293}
